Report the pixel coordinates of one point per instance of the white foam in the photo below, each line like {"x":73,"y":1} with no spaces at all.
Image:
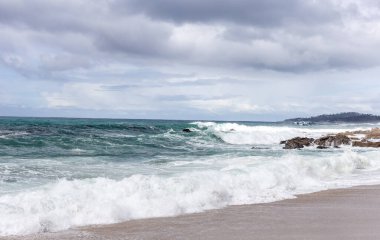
{"x":78,"y":150}
{"x":10,"y":134}
{"x":234,"y":133}
{"x":245,"y":180}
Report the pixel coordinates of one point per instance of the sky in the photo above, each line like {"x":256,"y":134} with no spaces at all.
{"x":189,"y":59}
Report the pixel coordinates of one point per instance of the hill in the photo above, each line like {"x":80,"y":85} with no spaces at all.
{"x":348,"y":117}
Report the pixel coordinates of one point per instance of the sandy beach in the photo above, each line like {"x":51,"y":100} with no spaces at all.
{"x":352,"y":213}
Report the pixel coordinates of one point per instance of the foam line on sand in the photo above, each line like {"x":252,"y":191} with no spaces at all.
{"x":352,"y":213}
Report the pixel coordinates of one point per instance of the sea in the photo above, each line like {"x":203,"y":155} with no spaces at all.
{"x":61,"y":173}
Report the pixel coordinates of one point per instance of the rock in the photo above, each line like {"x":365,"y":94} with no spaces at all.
{"x":354,"y":138}
{"x":333,"y":141}
{"x":322,"y":147}
{"x":341,"y":139}
{"x":298,"y":142}
{"x":373,"y":134}
{"x":322,"y":141}
{"x":366,"y":144}
{"x":371,"y":139}
{"x":186,"y":130}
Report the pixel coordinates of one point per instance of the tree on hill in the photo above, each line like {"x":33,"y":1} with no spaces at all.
{"x":339,"y":117}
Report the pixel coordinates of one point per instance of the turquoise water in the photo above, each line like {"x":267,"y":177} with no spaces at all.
{"x":61,"y":173}
{"x":35,"y":151}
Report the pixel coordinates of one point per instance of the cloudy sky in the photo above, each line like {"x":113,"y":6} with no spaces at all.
{"x":189,"y":59}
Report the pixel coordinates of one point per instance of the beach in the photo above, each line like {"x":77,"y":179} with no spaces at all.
{"x":352,"y":213}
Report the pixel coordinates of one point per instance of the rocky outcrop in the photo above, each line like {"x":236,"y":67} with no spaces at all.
{"x":321,"y":143}
{"x":361,"y":138}
{"x":371,"y":138}
{"x":298,"y":142}
{"x":333,"y":140}
{"x":366,"y":144}
{"x":373,"y":134}
{"x":186,"y":130}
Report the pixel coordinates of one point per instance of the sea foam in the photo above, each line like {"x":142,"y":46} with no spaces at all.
{"x":240,"y":180}
{"x":234,"y":133}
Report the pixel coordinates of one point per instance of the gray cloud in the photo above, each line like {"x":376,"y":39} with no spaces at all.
{"x":290,"y":36}
{"x":198,"y":57}
{"x":269,"y":13}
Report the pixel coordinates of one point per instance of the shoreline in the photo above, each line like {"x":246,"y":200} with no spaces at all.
{"x":348,"y":213}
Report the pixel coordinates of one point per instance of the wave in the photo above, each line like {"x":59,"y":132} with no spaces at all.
{"x":234,"y":133}
{"x":244,"y":180}
{"x":9,"y":134}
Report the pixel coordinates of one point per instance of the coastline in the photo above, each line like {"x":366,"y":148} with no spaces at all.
{"x":349,"y":213}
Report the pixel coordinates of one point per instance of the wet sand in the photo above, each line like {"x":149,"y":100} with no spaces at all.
{"x":352,"y":213}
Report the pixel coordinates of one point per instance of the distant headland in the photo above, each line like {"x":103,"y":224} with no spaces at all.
{"x":345,"y":117}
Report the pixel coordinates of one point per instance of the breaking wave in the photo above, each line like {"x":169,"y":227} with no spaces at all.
{"x":241,"y":180}
{"x":234,"y":133}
